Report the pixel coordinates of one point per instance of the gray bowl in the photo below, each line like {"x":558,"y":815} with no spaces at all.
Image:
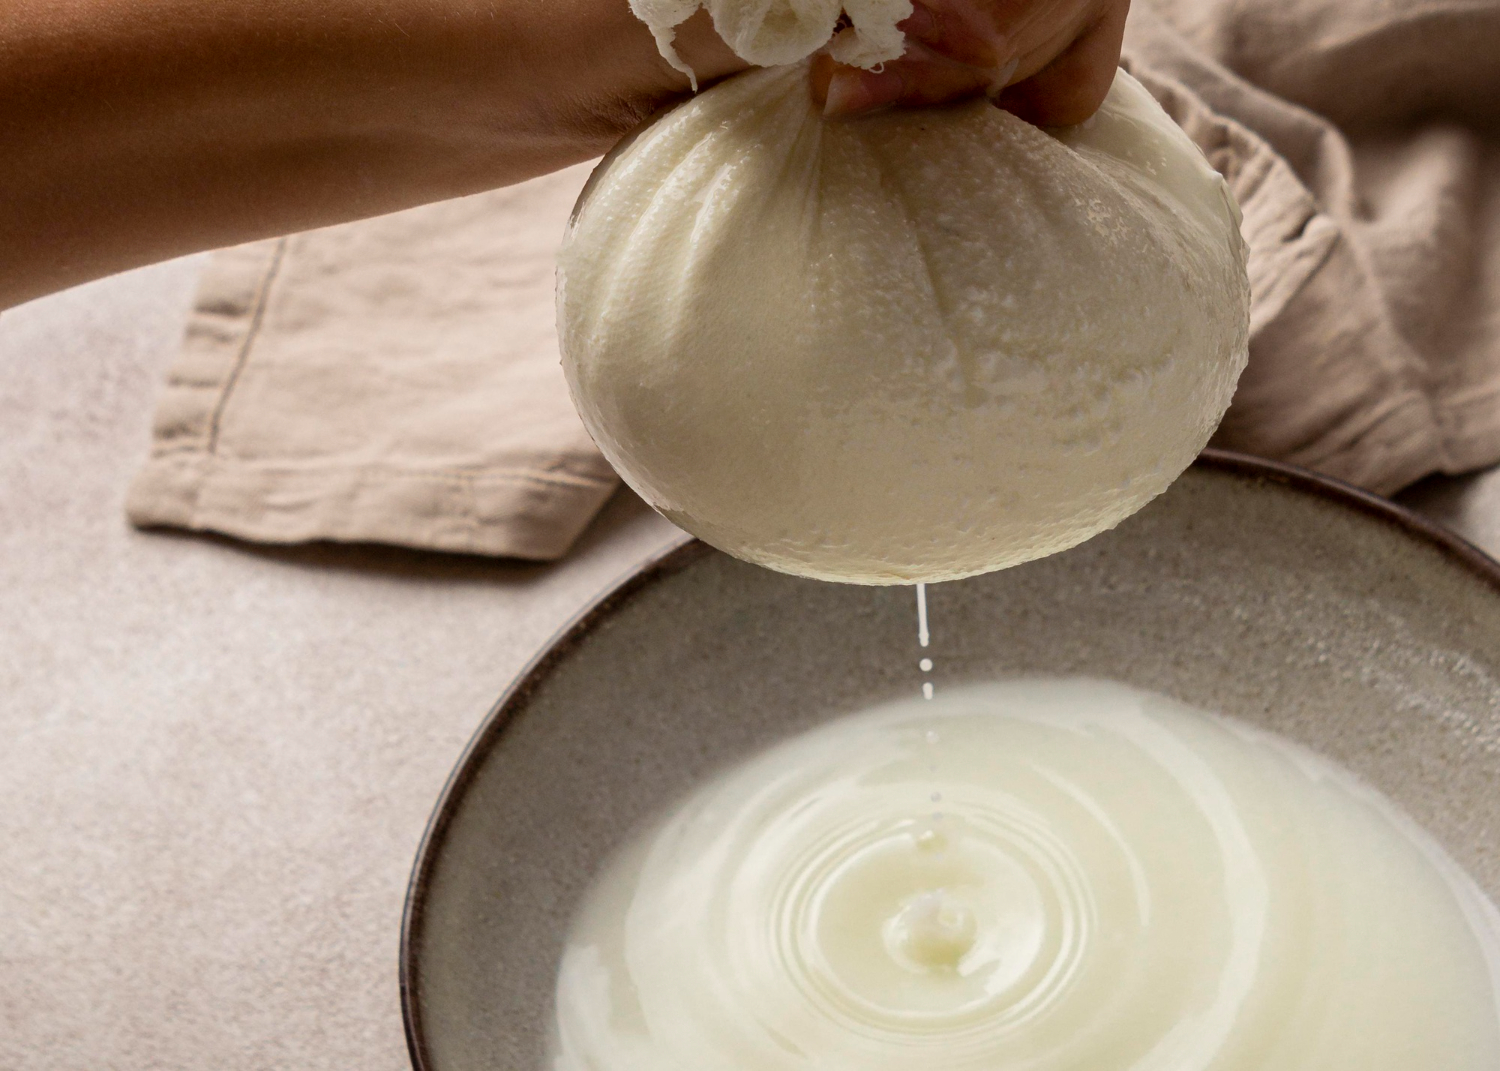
{"x":1252,"y":589}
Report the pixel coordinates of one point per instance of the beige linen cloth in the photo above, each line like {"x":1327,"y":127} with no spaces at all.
{"x":394,"y":380}
{"x":397,"y":380}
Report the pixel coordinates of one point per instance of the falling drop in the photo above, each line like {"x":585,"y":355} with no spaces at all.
{"x":922,"y":634}
{"x":924,"y":638}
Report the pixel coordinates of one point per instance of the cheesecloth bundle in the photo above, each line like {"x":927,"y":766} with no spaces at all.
{"x":906,"y":348}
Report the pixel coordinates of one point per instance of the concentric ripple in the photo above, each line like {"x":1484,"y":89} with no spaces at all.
{"x":1042,"y":875}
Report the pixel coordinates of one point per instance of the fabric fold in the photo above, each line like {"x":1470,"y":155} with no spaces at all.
{"x":1371,"y":215}
{"x":395,"y":380}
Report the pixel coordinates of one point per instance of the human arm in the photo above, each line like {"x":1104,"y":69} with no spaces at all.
{"x":135,"y":130}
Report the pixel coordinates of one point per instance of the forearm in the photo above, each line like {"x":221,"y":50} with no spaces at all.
{"x":132,"y":130}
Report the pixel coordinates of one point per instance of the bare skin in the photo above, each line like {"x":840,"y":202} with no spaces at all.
{"x":1049,"y":61}
{"x":136,"y":130}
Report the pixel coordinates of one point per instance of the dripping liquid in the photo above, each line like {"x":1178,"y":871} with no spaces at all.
{"x":1092,"y":833}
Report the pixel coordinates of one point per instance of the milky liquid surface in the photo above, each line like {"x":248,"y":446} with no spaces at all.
{"x":1032,"y":876}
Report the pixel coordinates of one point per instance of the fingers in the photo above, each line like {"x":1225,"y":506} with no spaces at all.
{"x":959,"y":30}
{"x":1071,"y":87}
{"x":1062,"y":52}
{"x":912,"y":80}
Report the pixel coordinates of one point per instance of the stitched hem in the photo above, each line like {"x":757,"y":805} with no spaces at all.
{"x":505,"y":513}
{"x":509,"y":509}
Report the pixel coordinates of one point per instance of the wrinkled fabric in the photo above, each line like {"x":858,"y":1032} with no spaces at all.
{"x":1362,"y":138}
{"x":395,"y":380}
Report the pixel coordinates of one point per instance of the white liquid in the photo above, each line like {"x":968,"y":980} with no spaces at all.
{"x":923,"y":638}
{"x":1115,"y":883}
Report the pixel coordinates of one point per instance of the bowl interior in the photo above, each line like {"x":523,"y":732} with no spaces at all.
{"x":1245,"y":589}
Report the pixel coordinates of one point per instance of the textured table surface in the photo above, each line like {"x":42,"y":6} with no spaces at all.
{"x":216,"y":761}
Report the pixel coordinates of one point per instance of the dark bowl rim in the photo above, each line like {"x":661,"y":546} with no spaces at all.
{"x":683,"y":554}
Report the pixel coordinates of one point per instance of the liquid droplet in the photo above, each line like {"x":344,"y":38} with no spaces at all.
{"x":922,"y":635}
{"x":930,"y":840}
{"x":932,"y":930}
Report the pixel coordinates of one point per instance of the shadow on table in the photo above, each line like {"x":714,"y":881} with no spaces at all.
{"x":1468,"y":504}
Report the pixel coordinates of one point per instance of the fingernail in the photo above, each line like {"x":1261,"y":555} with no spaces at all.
{"x":1002,"y":77}
{"x":852,"y":91}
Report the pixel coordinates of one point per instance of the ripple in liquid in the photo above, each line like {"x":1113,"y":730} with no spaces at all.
{"x":1115,"y":882}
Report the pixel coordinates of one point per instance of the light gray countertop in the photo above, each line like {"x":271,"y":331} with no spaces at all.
{"x":216,"y":761}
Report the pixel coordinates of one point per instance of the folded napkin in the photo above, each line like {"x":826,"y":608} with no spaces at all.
{"x":396,"y":380}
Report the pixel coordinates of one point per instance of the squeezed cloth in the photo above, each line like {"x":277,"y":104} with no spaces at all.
{"x":397,"y":380}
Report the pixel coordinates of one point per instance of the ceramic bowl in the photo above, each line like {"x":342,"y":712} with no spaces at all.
{"x":1251,"y":589}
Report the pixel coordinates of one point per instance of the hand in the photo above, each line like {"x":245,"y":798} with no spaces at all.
{"x":1051,"y":62}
